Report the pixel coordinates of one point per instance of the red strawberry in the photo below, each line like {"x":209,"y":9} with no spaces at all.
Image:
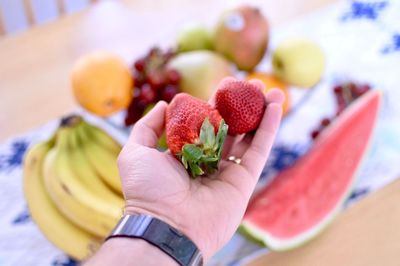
{"x":195,"y":133}
{"x":241,"y":104}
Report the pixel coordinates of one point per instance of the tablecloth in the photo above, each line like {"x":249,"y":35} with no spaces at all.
{"x":361,"y":40}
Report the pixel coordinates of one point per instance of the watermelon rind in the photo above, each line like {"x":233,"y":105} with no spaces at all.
{"x":277,"y":244}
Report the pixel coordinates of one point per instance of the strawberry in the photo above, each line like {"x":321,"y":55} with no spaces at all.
{"x":241,"y":104}
{"x":195,"y":133}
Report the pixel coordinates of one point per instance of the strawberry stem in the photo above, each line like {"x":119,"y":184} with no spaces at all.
{"x":203,"y":158}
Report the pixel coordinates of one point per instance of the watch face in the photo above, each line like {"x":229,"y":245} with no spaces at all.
{"x":161,"y":235}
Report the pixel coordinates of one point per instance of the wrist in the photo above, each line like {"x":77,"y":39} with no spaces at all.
{"x":124,"y":251}
{"x":186,"y":236}
{"x":129,"y":210}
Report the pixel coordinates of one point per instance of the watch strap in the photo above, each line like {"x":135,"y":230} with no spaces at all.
{"x":161,"y":235}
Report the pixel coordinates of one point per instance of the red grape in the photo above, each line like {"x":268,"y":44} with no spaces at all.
{"x":314,"y":134}
{"x":153,"y":82}
{"x":363,"y":89}
{"x":338,"y":89}
{"x":169,"y":54}
{"x":345,"y":94}
{"x":168,"y":93}
{"x":135,"y":111}
{"x":156,"y":79}
{"x":351,"y":86}
{"x":147,"y":94}
{"x":325,"y":122}
{"x":173,"y":76}
{"x":139,"y":79}
{"x":140,"y":64}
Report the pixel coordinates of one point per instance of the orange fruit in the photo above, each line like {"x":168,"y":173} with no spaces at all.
{"x":102,"y":83}
{"x":272,"y":82}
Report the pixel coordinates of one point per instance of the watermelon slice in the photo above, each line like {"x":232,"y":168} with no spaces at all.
{"x":303,"y":199}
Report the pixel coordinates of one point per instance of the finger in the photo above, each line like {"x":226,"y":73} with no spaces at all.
{"x":256,"y":155}
{"x":275,"y":96}
{"x":238,"y":149}
{"x":149,"y":128}
{"x":258,"y":83}
{"x":229,"y":143}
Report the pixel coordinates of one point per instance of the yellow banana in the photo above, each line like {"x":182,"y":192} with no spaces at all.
{"x":70,"y":194}
{"x":102,"y":137}
{"x":104,"y":162}
{"x":85,"y":171}
{"x":58,"y":229}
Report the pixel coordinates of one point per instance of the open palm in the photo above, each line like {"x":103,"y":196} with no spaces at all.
{"x":207,"y":210}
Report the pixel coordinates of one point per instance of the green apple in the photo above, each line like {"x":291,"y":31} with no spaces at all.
{"x":200,"y":71}
{"x":194,"y":37}
{"x":299,"y":62}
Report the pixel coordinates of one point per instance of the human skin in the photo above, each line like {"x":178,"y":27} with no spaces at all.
{"x":208,"y":210}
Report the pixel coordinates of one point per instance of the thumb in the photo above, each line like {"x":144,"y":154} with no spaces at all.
{"x":149,"y":128}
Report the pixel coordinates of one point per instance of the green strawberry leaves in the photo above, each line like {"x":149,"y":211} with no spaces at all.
{"x":221,"y":135}
{"x":204,"y":157}
{"x":191,"y":152}
{"x":207,"y":137}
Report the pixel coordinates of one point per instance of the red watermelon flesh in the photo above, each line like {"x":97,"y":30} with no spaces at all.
{"x":301,"y":200}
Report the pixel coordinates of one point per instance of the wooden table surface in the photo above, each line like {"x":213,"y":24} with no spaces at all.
{"x":34,"y":88}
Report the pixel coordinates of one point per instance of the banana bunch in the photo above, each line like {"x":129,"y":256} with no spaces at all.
{"x":72,"y":187}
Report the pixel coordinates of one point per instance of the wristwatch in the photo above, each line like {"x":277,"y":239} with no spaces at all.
{"x":161,"y":235}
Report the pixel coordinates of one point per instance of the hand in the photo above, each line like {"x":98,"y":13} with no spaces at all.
{"x":207,"y":210}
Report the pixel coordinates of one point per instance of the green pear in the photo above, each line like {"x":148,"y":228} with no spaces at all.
{"x":194,"y":37}
{"x":299,"y":62}
{"x":200,"y":71}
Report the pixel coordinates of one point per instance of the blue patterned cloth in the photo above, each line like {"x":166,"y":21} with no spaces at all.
{"x":364,"y":10}
{"x":361,"y":40}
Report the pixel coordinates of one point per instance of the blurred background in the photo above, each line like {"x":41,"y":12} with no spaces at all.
{"x":83,"y":72}
{"x":20,"y":15}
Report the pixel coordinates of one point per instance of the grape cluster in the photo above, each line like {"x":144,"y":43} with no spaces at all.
{"x":345,"y":94}
{"x":153,"y":82}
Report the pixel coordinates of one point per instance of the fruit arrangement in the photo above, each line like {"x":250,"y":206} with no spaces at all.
{"x":199,"y":60}
{"x":72,"y":186}
{"x":71,"y":181}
